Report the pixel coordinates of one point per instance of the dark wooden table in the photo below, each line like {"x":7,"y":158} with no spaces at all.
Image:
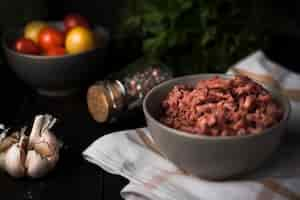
{"x":74,"y":178}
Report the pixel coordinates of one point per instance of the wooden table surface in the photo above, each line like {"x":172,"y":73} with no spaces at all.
{"x":73,"y":178}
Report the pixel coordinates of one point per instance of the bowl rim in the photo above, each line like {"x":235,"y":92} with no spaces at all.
{"x":284,"y":99}
{"x":97,"y":28}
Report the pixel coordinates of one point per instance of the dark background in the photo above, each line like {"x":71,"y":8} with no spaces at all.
{"x":285,"y":37}
{"x":284,"y":41}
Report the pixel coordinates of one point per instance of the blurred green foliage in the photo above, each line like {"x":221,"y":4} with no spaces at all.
{"x":197,"y":35}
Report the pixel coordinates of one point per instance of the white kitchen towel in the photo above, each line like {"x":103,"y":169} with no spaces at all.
{"x":258,"y":67}
{"x":133,"y":155}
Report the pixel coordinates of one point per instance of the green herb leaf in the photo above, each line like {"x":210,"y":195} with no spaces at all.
{"x":208,"y":35}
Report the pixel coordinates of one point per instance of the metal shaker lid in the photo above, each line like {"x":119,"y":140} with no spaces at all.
{"x":104,"y":99}
{"x":99,"y":102}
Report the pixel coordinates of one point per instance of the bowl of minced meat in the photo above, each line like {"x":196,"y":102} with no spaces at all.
{"x":221,"y":107}
{"x":216,"y":126}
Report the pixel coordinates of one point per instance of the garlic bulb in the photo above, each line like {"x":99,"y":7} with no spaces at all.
{"x":33,"y":156}
{"x":45,"y":145}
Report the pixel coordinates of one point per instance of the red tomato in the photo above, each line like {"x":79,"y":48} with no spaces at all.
{"x":72,"y":20}
{"x":50,"y":37}
{"x":27,"y":46}
{"x":56,"y":51}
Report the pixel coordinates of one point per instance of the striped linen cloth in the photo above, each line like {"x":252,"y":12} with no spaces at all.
{"x":133,"y":155}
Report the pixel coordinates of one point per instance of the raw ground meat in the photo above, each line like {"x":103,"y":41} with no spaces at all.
{"x":221,"y":107}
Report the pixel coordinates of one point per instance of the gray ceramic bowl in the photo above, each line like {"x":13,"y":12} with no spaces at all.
{"x":206,"y":156}
{"x":56,"y":75}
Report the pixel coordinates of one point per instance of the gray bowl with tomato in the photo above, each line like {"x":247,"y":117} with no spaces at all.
{"x":57,"y":75}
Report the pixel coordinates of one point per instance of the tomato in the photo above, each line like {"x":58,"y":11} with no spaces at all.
{"x":50,"y":37}
{"x":27,"y":46}
{"x":79,"y":39}
{"x":73,"y":20}
{"x":32,"y":30}
{"x":56,"y":51}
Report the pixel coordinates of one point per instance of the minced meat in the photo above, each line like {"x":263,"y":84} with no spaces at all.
{"x":221,"y":107}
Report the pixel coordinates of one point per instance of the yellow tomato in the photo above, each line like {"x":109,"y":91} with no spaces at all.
{"x":32,"y":30}
{"x":79,"y":39}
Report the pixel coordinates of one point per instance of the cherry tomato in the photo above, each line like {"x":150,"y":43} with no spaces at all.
{"x":26,"y":46}
{"x":50,"y":37}
{"x":32,"y":30}
{"x":79,"y":39}
{"x":72,"y":20}
{"x":56,"y":51}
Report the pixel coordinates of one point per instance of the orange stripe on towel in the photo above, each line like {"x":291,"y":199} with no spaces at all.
{"x":276,"y":187}
{"x":292,"y":94}
{"x":142,"y":135}
{"x":265,"y":79}
{"x":162,"y":177}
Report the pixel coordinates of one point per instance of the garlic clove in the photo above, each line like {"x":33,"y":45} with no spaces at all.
{"x":37,"y":126}
{"x":49,"y":122}
{"x":48,"y":137}
{"x":44,"y":149}
{"x":15,"y":157}
{"x":53,"y":145}
{"x":37,"y":166}
{"x":7,"y":142}
{"x":14,"y":161}
{"x":48,"y":151}
{"x":40,"y":130}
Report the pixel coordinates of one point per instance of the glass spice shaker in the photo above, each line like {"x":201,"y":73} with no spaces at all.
{"x":124,"y":91}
